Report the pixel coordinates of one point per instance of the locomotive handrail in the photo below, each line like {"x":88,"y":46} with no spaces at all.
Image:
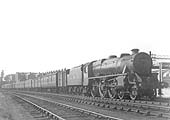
{"x":124,"y":74}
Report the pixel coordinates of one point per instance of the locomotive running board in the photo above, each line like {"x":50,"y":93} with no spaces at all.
{"x":108,"y":76}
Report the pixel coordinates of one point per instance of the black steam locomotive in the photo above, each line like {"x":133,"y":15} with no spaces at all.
{"x":126,"y":76}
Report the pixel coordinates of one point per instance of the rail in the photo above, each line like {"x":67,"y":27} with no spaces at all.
{"x":43,"y":110}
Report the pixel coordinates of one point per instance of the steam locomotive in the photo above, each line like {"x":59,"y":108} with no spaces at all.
{"x":125,"y":76}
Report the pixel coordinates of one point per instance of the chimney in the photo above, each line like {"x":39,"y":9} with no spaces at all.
{"x":135,"y":51}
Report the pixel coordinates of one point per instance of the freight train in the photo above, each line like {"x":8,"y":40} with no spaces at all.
{"x":127,"y":76}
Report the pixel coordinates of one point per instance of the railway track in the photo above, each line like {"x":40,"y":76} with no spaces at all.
{"x":126,"y":105}
{"x":160,"y":99}
{"x":157,"y":101}
{"x":58,"y":111}
{"x":35,"y":110}
{"x":147,"y":108}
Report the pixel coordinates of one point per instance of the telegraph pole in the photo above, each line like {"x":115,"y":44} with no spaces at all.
{"x":160,"y":78}
{"x":1,"y":78}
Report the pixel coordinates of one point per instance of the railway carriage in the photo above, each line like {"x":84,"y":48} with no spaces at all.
{"x":27,"y":84}
{"x":61,"y":80}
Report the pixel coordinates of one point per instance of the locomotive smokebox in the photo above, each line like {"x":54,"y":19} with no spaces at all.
{"x":142,"y":63}
{"x":135,"y":51}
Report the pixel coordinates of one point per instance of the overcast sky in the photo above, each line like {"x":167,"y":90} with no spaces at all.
{"x":45,"y":35}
